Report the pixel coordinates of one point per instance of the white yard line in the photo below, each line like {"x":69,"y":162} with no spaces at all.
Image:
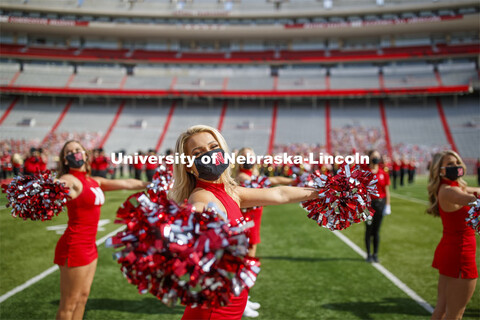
{"x":399,"y":196}
{"x":48,"y":271}
{"x":390,"y":276}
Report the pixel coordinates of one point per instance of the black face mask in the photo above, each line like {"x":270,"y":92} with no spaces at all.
{"x":75,"y":160}
{"x":453,"y":173}
{"x":247,"y":166}
{"x":375,"y":160}
{"x":212,"y":170}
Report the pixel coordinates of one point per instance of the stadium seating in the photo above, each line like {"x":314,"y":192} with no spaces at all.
{"x":415,"y":122}
{"x":354,"y":78}
{"x":41,"y":110}
{"x":248,"y":124}
{"x":267,"y":56}
{"x":152,"y":113}
{"x":346,"y":79}
{"x":299,"y":122}
{"x":401,"y":76}
{"x":463,"y":116}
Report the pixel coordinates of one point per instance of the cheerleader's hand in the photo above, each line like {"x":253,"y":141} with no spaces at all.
{"x":387,"y":210}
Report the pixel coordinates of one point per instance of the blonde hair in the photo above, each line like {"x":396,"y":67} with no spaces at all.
{"x":184,"y":181}
{"x":242,"y":152}
{"x":434,"y":179}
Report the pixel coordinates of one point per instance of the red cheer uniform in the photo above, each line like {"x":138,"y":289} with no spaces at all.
{"x":255,"y":215}
{"x":383,"y":181}
{"x":77,"y":245}
{"x":234,"y":310}
{"x":6,"y":162}
{"x":32,"y":165}
{"x":100,"y":163}
{"x":455,"y":254}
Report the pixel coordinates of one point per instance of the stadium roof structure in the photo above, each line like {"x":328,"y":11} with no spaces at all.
{"x":231,"y":8}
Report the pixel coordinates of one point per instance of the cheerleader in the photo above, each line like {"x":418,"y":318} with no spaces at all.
{"x":206,"y":182}
{"x":244,"y":174}
{"x":454,"y":257}
{"x":380,"y":205}
{"x":76,"y":252}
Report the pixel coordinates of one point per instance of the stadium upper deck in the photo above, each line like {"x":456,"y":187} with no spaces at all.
{"x":238,"y":8}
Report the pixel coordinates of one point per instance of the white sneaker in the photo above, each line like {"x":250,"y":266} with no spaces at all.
{"x":252,"y":305}
{"x":250,"y":312}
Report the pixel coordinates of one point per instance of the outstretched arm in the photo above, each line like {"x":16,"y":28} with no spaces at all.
{"x":120,"y":184}
{"x":250,"y":197}
{"x":472,"y":190}
{"x":456,"y":195}
{"x":280,"y":180}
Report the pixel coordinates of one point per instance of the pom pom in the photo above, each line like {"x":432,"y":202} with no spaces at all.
{"x":162,"y":179}
{"x":473,"y":219}
{"x":176,"y":253}
{"x":304,"y":180}
{"x":254,"y":182}
{"x":343,"y":199}
{"x":37,"y":197}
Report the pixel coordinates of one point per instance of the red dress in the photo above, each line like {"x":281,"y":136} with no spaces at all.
{"x":77,"y":244}
{"x":455,"y":254}
{"x":237,"y":304}
{"x":256,"y":216}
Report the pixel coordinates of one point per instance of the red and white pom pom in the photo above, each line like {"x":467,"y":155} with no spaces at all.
{"x":162,"y":179}
{"x":473,"y":219}
{"x":37,"y":197}
{"x":178,"y":254}
{"x":256,"y":182}
{"x":304,"y":180}
{"x":343,"y":199}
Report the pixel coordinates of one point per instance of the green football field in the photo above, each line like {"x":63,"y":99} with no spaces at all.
{"x":307,"y":272}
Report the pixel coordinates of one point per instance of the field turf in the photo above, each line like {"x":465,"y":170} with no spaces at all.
{"x":307,"y":272}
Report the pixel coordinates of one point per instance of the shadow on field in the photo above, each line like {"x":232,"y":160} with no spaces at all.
{"x":144,"y":306}
{"x":473,"y":313}
{"x":364,"y":310}
{"x":307,"y":259}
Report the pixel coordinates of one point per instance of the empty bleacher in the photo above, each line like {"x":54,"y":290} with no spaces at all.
{"x":415,"y":122}
{"x":88,"y":116}
{"x":35,"y":75}
{"x":98,"y":77}
{"x":187,"y":114}
{"x":301,"y":79}
{"x":363,"y":77}
{"x":409,"y":76}
{"x":299,"y":122}
{"x":7,"y":72}
{"x":410,"y":121}
{"x":32,"y":119}
{"x":248,"y":124}
{"x":139,"y":126}
{"x":147,"y":77}
{"x":458,"y":73}
{"x":463,"y":116}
